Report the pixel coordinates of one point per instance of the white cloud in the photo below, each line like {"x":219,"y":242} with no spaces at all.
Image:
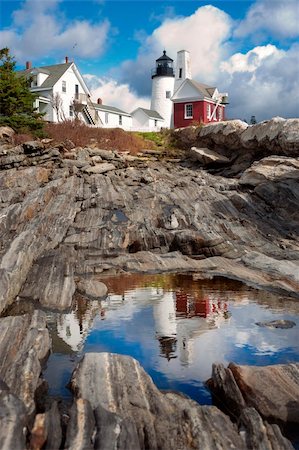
{"x":39,"y":30}
{"x":263,"y":82}
{"x":249,"y":61}
{"x":279,"y":18}
{"x":114,"y":94}
{"x":204,"y":34}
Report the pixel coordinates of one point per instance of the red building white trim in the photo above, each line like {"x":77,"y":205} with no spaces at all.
{"x":197,"y":103}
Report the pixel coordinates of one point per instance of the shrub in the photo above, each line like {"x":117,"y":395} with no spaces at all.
{"x":105,"y":138}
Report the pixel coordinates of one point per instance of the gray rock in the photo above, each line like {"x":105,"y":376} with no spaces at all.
{"x":13,"y":420}
{"x":273,"y":168}
{"x":46,"y":432}
{"x":104,"y":154}
{"x":207,"y":156}
{"x":6,"y":133}
{"x":100,"y":168}
{"x":162,"y":421}
{"x":92,"y":288}
{"x":24,"y":344}
{"x":33,"y":146}
{"x":279,"y":385}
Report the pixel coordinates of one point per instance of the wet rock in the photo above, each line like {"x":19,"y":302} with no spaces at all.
{"x":24,"y":344}
{"x":162,"y":421}
{"x":126,"y":410}
{"x":92,"y":288}
{"x":207,"y":156}
{"x":81,"y":427}
{"x":279,"y":385}
{"x":46,"y":432}
{"x":283,"y":324}
{"x":260,"y":434}
{"x":13,"y":420}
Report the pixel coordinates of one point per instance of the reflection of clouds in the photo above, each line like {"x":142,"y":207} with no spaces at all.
{"x":155,"y":321}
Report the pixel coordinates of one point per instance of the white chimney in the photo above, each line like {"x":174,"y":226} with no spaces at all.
{"x":183,"y":68}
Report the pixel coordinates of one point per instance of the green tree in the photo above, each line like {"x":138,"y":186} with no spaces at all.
{"x":16,"y":100}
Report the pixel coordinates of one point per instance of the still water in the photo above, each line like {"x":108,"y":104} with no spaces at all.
{"x":176,"y":328}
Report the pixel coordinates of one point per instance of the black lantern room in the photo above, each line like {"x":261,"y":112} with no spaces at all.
{"x":164,"y":67}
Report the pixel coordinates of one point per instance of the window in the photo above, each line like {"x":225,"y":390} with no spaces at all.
{"x":64,"y":86}
{"x":120,"y":120}
{"x":168,"y":94}
{"x":71,"y":111}
{"x":208,"y":110}
{"x":189,"y":111}
{"x":76,"y":91}
{"x":156,"y":123}
{"x":180,"y":73}
{"x":106,"y":117}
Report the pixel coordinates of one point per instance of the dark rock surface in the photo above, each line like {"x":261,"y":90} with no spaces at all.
{"x":122,"y":408}
{"x":272,"y":390}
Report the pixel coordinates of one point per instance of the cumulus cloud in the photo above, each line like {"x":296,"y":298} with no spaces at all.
{"x":114,"y":94}
{"x":263,"y":82}
{"x":40,"y":30}
{"x":278,"y":18}
{"x":249,"y":61}
{"x":203,"y":33}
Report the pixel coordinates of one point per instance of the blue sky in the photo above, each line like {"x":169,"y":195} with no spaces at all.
{"x":248,"y":48}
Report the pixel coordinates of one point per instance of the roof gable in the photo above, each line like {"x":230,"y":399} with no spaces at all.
{"x":55,"y":72}
{"x":149,"y":113}
{"x":190,"y":89}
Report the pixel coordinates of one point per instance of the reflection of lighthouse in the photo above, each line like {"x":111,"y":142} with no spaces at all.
{"x":165,"y":324}
{"x":180,"y":318}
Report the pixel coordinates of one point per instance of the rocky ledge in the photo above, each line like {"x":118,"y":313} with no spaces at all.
{"x":70,"y":215}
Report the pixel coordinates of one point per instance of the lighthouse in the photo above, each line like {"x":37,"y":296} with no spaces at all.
{"x":162,"y":88}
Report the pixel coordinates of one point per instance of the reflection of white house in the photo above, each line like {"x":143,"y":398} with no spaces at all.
{"x":74,"y":331}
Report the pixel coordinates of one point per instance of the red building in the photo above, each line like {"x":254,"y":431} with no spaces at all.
{"x":197,"y":103}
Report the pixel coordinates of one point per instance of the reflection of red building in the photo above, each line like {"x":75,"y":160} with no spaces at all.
{"x":190,"y":305}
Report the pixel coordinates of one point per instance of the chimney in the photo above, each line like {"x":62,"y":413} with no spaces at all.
{"x":28,"y":65}
{"x":99,"y":101}
{"x":66,"y":59}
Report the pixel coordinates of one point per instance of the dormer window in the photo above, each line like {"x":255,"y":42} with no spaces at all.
{"x":64,"y":86}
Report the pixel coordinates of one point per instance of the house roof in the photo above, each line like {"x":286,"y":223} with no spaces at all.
{"x":111,"y":109}
{"x":204,"y":89}
{"x":150,"y":113}
{"x":55,"y":73}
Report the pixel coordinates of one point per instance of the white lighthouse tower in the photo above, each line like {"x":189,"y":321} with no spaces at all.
{"x":183,"y":68}
{"x":162,"y":88}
